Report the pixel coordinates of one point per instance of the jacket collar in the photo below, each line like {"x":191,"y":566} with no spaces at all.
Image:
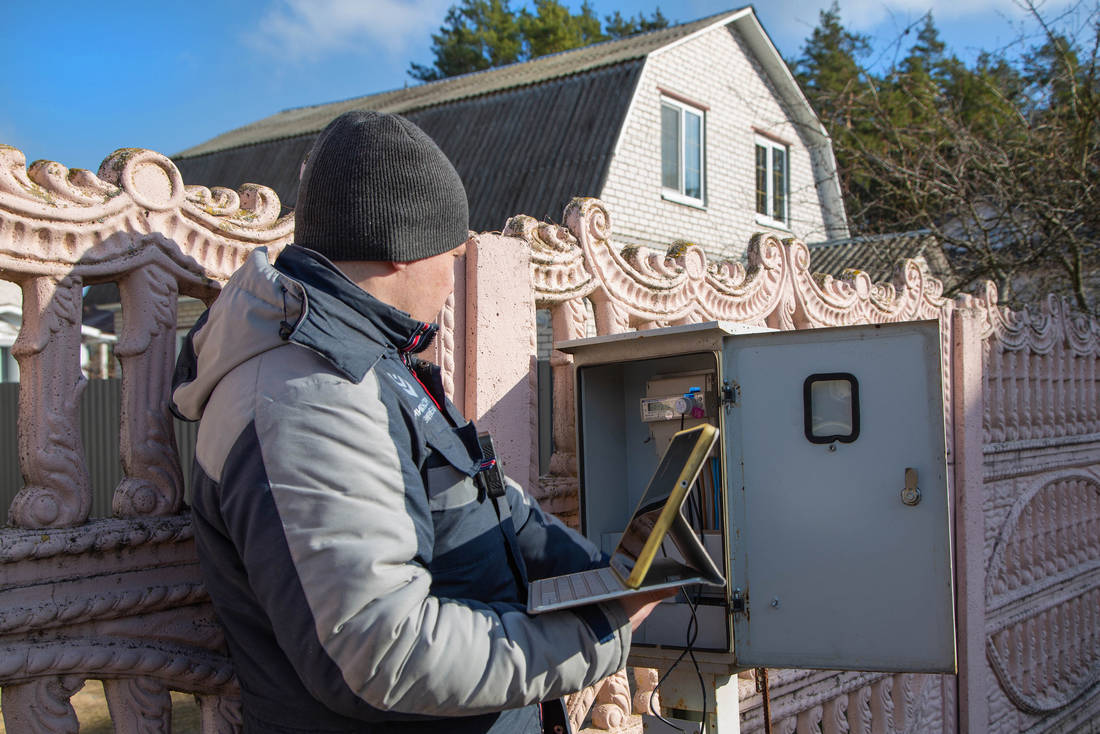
{"x":338,"y":316}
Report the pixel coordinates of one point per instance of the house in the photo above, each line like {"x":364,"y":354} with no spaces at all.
{"x":696,"y":132}
{"x":96,"y":340}
{"x":11,"y":318}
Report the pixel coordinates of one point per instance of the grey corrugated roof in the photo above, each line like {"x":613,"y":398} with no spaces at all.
{"x":274,"y":163}
{"x":305,"y":120}
{"x":531,"y":150}
{"x":525,"y":150}
{"x":878,"y":255}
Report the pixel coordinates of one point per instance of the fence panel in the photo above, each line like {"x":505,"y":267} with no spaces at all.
{"x":1042,"y":509}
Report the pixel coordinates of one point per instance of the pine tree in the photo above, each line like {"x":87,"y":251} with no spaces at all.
{"x":927,"y":55}
{"x":482,"y":34}
{"x":553,"y":28}
{"x":476,"y":35}
{"x":616,"y":26}
{"x":831,"y":74}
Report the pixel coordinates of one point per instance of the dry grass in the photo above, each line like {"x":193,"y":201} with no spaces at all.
{"x":91,"y":711}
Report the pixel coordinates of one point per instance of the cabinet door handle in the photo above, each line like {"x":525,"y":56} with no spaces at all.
{"x":911,"y":494}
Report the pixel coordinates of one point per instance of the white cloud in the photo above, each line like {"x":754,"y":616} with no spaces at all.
{"x":965,"y":25}
{"x":862,"y":14}
{"x":311,"y":29}
{"x":866,"y":14}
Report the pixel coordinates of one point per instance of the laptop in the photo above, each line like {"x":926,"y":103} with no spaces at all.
{"x":639,"y":564}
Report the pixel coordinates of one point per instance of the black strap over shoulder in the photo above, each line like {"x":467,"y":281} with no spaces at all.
{"x":491,"y":479}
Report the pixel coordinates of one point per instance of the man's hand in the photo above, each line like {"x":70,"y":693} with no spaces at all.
{"x":639,"y":606}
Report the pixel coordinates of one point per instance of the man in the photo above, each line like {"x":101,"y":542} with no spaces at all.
{"x":366,"y":580}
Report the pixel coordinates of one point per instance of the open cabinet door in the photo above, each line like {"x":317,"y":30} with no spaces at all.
{"x":837,"y":494}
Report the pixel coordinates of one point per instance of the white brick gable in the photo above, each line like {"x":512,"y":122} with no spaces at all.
{"x":718,"y":70}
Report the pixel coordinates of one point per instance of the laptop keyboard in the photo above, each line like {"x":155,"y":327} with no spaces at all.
{"x":595,"y":582}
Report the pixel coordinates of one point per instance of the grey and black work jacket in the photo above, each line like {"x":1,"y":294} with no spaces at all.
{"x":365,"y":582}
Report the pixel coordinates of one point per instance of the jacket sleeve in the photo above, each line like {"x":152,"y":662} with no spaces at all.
{"x":357,"y":525}
{"x":549,"y":546}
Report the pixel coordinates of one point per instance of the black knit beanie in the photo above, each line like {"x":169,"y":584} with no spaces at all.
{"x":376,"y":187}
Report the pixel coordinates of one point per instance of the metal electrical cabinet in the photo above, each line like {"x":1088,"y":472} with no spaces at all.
{"x":825,"y":501}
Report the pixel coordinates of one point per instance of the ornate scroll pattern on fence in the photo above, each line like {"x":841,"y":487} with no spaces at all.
{"x":610,"y":702}
{"x":1042,"y":373}
{"x":612,"y":709}
{"x":116,"y":599}
{"x":57,"y":490}
{"x":138,"y":705}
{"x":153,"y":483}
{"x":1043,"y":594}
{"x":42,"y":706}
{"x":62,"y":229}
{"x":822,"y":300}
{"x":646,"y":287}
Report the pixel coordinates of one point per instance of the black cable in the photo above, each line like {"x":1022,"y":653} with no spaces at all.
{"x":660,"y":681}
{"x":654,"y":709}
{"x":695,"y":516}
{"x":692,"y":635}
{"x":691,"y":654}
{"x":695,"y":508}
{"x":696,"y":505}
{"x":697,"y":511}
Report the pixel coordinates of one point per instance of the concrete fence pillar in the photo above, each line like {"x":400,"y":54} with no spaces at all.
{"x":500,"y":380}
{"x":968,"y":409}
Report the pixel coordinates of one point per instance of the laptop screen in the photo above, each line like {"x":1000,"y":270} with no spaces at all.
{"x":660,"y":487}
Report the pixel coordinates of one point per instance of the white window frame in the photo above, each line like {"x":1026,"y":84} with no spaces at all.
{"x":769,"y":145}
{"x":678,"y":194}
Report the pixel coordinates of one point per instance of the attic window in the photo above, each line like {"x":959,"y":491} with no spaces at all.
{"x":682,"y":151}
{"x":772,"y":182}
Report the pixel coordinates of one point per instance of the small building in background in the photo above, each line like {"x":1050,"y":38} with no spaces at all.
{"x":880,"y":255}
{"x":96,"y":345}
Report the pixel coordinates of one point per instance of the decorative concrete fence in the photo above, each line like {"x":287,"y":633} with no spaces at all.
{"x":1023,"y":425}
{"x":119,"y":599}
{"x":114,"y":599}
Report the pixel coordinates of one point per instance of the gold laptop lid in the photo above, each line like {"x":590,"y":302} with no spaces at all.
{"x":661,"y":502}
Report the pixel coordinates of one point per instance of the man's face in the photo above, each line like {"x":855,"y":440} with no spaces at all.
{"x":428,"y":282}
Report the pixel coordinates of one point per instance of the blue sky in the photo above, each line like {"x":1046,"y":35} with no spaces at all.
{"x":81,"y":79}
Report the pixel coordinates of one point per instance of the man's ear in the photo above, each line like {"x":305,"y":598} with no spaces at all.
{"x":397,"y":266}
